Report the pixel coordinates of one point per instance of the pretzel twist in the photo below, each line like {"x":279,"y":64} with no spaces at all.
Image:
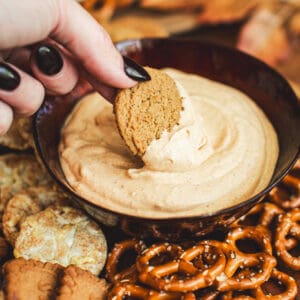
{"x":130,"y":273}
{"x":289,"y":283}
{"x":240,"y":273}
{"x":124,"y":290}
{"x":247,"y":278}
{"x":266,"y":213}
{"x":200,"y":265}
{"x":288,"y":226}
{"x":233,"y":260}
{"x":259,"y":234}
{"x":230,"y":296}
{"x":209,"y":293}
{"x":287,"y":195}
{"x":289,"y":292}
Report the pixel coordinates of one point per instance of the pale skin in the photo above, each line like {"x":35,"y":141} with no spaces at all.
{"x":79,"y":38}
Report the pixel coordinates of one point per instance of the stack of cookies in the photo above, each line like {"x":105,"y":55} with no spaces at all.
{"x":49,"y":248}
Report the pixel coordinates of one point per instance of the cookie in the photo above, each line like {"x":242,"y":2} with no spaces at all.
{"x":18,"y":208}
{"x":63,"y":235}
{"x":76,"y":283}
{"x":17,"y":172}
{"x":26,"y":203}
{"x":29,"y":279}
{"x":124,"y":28}
{"x":19,"y":135}
{"x":144,"y":111}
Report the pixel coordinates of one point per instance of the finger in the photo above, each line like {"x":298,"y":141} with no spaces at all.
{"x":29,"y":21}
{"x":54,"y":69}
{"x":6,"y":117}
{"x":91,"y":44}
{"x":106,"y":91}
{"x":26,"y":22}
{"x":19,"y":90}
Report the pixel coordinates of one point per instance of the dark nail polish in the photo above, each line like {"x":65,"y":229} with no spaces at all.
{"x":48,"y":60}
{"x":9,"y":78}
{"x":134,"y":70}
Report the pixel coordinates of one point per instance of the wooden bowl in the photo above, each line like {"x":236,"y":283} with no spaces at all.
{"x":265,"y":86}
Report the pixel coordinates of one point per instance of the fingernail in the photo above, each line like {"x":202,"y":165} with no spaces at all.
{"x":134,"y":70}
{"x":9,"y":78}
{"x":48,"y":60}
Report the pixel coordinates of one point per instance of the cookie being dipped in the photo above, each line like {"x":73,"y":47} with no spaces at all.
{"x":146,"y":110}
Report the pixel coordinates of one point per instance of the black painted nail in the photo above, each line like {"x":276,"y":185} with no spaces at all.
{"x":48,"y":60}
{"x":9,"y":78}
{"x":134,"y":70}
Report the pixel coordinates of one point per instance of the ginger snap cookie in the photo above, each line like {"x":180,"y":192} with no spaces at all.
{"x":144,"y":111}
{"x":29,"y":279}
{"x":76,"y":283}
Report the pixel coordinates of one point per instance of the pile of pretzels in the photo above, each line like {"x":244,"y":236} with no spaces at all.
{"x":258,"y":249}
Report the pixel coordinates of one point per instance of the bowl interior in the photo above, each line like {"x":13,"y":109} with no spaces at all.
{"x":266,"y":87}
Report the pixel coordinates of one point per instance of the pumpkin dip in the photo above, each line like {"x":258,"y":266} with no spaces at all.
{"x":222,"y":152}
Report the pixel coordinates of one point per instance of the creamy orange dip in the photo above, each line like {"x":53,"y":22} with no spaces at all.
{"x":223,"y":151}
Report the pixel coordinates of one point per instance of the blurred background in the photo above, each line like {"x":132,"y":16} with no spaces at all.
{"x":267,"y":29}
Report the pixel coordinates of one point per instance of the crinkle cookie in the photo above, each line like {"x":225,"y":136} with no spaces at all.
{"x":63,"y":235}
{"x":17,"y":172}
{"x":26,"y":203}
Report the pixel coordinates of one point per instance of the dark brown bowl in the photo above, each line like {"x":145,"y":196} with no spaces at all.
{"x":266,"y":87}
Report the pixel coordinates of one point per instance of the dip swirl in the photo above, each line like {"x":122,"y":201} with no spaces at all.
{"x":232,"y":159}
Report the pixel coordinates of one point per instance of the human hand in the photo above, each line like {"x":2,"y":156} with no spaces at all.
{"x":43,"y":47}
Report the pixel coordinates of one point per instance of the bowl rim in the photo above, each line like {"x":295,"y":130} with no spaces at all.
{"x":247,"y":202}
